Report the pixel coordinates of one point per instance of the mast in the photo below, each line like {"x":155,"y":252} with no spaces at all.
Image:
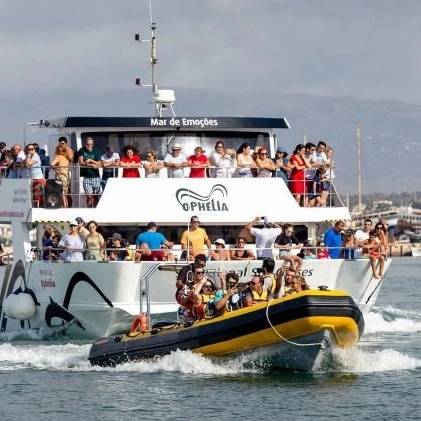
{"x":358,"y":139}
{"x":162,"y":98}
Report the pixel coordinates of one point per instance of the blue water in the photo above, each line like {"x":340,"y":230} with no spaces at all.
{"x":378,"y":380}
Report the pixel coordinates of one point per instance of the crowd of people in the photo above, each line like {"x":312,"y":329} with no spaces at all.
{"x":84,"y":241}
{"x":308,"y":172}
{"x":200,"y":296}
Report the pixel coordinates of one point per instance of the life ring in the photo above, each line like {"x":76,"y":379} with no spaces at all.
{"x":139,"y":324}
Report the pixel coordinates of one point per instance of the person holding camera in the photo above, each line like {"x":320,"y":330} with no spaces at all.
{"x":229,"y":297}
{"x":265,"y":236}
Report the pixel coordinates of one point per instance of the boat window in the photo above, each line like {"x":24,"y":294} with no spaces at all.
{"x":161,"y":141}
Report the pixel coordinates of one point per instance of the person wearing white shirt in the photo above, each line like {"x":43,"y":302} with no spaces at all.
{"x":222,"y":161}
{"x":16,"y":165}
{"x":110,"y":161}
{"x":361,"y":235}
{"x":175,"y":162}
{"x":265,"y":237}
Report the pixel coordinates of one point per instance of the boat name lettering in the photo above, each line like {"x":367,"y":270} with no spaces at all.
{"x":47,"y":280}
{"x":215,"y":201}
{"x":183,"y":122}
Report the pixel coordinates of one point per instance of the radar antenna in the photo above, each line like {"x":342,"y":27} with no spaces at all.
{"x":163,"y":99}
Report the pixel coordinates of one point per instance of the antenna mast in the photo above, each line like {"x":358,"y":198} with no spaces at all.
{"x":163,"y":98}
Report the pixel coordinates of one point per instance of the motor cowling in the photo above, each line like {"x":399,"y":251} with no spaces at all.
{"x":20,"y":306}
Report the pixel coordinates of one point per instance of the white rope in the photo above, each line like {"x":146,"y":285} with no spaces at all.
{"x":285,"y":339}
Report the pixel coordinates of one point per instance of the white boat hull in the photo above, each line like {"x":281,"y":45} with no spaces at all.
{"x":91,"y":299}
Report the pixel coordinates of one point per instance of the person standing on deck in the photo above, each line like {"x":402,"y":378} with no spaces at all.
{"x":197,"y":237}
{"x":333,"y":239}
{"x":90,"y":160}
{"x":265,"y":237}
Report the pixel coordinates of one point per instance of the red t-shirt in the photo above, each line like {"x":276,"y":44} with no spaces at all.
{"x":131,"y":172}
{"x":197,"y":172}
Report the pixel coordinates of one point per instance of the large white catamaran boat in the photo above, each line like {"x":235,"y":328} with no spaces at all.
{"x":99,"y":298}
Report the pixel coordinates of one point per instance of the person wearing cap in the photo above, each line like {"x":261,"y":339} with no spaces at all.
{"x":195,"y":237}
{"x":116,"y":248}
{"x":73,"y":244}
{"x":198,"y":162}
{"x":220,"y":252}
{"x":175,"y":161}
{"x":110,"y":162}
{"x":265,"y":237}
{"x":152,"y":241}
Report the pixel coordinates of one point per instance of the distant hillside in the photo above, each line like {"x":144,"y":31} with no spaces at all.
{"x":391,"y":130}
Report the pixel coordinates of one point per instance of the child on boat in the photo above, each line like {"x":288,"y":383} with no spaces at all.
{"x":372,"y":248}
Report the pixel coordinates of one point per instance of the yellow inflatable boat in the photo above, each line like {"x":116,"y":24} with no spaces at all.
{"x":294,"y":332}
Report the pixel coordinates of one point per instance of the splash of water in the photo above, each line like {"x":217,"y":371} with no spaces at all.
{"x":392,"y":320}
{"x":74,"y":357}
{"x":360,"y":361}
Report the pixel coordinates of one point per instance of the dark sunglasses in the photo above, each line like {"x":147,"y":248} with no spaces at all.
{"x":199,"y":272}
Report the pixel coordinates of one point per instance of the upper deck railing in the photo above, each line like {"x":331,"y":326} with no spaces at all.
{"x":64,"y":187}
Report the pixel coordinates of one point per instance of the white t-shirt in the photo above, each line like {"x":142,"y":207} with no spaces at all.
{"x":319,"y":158}
{"x":265,"y":240}
{"x":223,"y":165}
{"x":34,"y":172}
{"x":76,"y":244}
{"x":19,"y":172}
{"x":361,"y":235}
{"x":175,"y":172}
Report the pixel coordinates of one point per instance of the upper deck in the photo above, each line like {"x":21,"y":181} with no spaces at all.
{"x":221,"y":200}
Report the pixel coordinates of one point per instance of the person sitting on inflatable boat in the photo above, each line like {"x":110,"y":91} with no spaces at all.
{"x":203,"y":296}
{"x":255,"y":293}
{"x":228,"y":298}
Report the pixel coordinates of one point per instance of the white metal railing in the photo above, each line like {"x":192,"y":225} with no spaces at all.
{"x":54,"y":254}
{"x":317,"y":193}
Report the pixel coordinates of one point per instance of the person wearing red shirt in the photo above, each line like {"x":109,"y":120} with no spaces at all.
{"x":198,"y":163}
{"x":131,"y":162}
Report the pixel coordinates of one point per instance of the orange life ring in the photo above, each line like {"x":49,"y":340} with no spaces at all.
{"x":141,"y":322}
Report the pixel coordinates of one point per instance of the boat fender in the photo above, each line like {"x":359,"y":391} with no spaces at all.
{"x":20,"y":305}
{"x":140,"y":324}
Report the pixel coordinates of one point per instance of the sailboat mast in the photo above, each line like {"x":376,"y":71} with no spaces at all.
{"x":358,"y":138}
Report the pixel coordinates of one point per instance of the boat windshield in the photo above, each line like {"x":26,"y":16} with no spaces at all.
{"x":161,"y":141}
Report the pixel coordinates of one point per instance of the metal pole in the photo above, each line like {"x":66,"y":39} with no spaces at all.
{"x":358,"y":133}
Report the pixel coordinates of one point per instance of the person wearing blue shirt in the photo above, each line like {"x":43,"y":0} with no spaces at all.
{"x":333,"y":239}
{"x":149,"y":243}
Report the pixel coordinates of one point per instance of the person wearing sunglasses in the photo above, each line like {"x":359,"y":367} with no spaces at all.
{"x":240,"y":252}
{"x":196,"y":237}
{"x":34,"y":172}
{"x":255,"y":293}
{"x":229,"y":297}
{"x":203,"y":297}
{"x":264,"y":164}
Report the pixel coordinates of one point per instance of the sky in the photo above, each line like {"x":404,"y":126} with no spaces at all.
{"x":367,"y":49}
{"x":226,"y":57}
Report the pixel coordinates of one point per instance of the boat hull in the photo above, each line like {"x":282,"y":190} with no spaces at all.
{"x":292,"y":322}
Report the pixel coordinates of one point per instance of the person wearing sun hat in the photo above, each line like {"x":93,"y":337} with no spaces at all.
{"x":175,"y":161}
{"x":220,"y":252}
{"x":73,"y":244}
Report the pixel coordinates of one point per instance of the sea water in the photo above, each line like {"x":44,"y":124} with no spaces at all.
{"x":380,"y":379}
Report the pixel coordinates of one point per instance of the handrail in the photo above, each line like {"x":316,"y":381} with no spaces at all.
{"x":38,"y":253}
{"x":315,"y":193}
